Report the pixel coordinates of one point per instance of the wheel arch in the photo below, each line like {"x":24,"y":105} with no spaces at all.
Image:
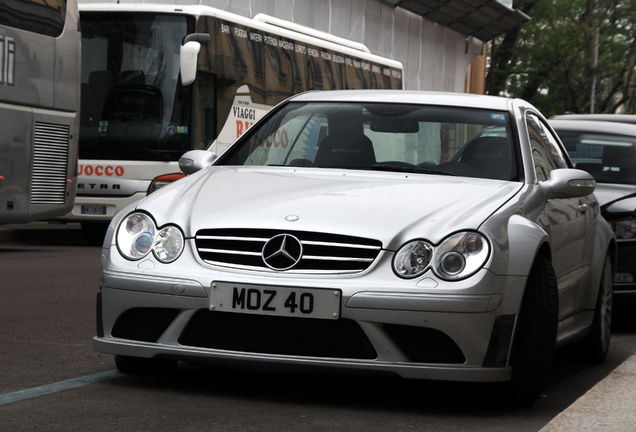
{"x":527,"y":241}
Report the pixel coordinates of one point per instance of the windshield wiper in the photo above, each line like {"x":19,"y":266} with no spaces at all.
{"x":407,"y":169}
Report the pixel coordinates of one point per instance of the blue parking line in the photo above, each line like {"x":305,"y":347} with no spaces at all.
{"x":58,"y":386}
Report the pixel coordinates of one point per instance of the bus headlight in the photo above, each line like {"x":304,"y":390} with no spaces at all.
{"x":163,"y":180}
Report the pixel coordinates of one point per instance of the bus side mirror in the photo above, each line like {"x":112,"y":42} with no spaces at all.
{"x":188,"y":62}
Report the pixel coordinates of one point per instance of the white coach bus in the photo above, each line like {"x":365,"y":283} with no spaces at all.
{"x":159,"y":80}
{"x":39,"y":103}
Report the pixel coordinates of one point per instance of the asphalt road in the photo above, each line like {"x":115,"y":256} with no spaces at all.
{"x":52,"y":379}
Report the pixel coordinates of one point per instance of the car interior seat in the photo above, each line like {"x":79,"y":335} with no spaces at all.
{"x":345,"y":145}
{"x":355,"y":151}
{"x":491,"y":157}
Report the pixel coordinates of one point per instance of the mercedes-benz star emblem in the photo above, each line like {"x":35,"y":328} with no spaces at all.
{"x":282,"y":252}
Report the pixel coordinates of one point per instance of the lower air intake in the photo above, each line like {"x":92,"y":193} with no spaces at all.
{"x":277,"y":335}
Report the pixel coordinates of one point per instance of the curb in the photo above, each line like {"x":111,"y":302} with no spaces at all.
{"x":608,"y":406}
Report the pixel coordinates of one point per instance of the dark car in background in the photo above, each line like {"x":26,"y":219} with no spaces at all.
{"x":607,"y":150}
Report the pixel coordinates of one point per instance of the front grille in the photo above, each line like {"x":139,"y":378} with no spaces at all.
{"x":277,"y":335}
{"x":322,"y":253}
{"x":143,"y":324}
{"x":425,"y":345}
{"x":50,"y":163}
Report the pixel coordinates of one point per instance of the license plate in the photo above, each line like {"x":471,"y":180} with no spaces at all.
{"x":275,"y":300}
{"x":95,"y":210}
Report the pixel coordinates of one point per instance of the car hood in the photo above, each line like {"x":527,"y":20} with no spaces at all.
{"x":390,"y":207}
{"x":616,"y":200}
{"x":608,"y":193}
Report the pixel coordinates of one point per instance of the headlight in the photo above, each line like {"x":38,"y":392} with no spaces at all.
{"x":413,"y":259}
{"x":168,"y":244}
{"x":457,"y":257}
{"x":460,"y":255}
{"x":137,"y":235}
{"x":625,"y":229}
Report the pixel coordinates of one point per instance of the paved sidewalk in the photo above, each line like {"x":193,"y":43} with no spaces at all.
{"x":609,"y":406}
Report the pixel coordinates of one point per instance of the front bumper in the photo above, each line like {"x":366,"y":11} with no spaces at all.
{"x":431,"y":331}
{"x":625,"y":279}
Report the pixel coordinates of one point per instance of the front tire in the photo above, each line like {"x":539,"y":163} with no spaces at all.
{"x":535,"y":337}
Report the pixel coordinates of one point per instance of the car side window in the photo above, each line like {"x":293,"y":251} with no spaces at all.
{"x":546,"y":153}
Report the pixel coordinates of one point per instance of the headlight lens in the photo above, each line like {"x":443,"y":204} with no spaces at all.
{"x":452,"y":263}
{"x":625,"y":229}
{"x":413,"y":259}
{"x":461,"y":255}
{"x":137,"y":235}
{"x":168,"y":244}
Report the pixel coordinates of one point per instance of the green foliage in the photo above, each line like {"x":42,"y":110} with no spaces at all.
{"x":550,"y":61}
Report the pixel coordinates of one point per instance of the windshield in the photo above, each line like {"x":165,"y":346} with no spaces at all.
{"x":133,"y":105}
{"x":377,"y":136}
{"x":609,"y":158}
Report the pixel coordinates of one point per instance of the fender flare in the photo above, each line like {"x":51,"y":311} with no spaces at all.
{"x":526,"y":240}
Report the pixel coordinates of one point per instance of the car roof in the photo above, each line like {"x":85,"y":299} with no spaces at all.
{"x":620,"y":118}
{"x":604,"y":127}
{"x":409,"y":97}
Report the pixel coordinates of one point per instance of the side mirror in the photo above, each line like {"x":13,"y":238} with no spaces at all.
{"x":188,"y":58}
{"x":568,"y":183}
{"x":196,"y":160}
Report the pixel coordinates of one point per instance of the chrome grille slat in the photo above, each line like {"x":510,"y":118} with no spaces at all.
{"x":207,"y":237}
{"x":323,"y":253}
{"x":340,"y":245}
{"x":292,"y":271}
{"x":230,"y":252}
{"x":310,"y":257}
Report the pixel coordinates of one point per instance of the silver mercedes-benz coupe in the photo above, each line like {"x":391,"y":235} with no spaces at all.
{"x":425,"y":235}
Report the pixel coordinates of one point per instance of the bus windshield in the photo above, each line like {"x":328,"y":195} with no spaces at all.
{"x":133,"y":105}
{"x":137,"y":116}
